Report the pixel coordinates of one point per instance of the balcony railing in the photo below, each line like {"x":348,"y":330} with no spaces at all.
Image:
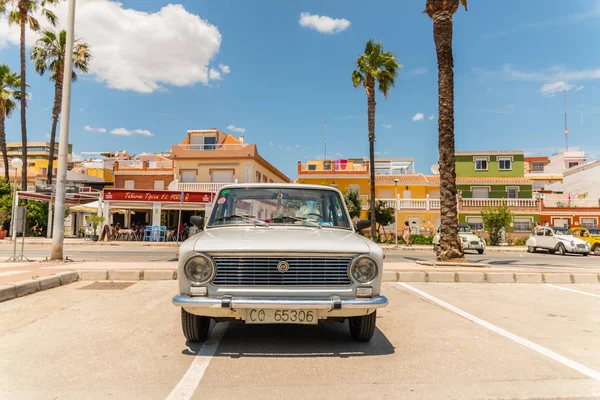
{"x":211,"y":146}
{"x":523,"y":203}
{"x":140,"y":165}
{"x":166,"y":164}
{"x":204,"y":187}
{"x":130,"y":164}
{"x":573,"y":203}
{"x":404,"y":204}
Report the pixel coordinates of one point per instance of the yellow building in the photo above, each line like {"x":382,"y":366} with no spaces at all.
{"x":416,"y":196}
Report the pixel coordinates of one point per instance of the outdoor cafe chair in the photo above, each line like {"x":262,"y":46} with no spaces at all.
{"x":162,"y":234}
{"x":148,"y":234}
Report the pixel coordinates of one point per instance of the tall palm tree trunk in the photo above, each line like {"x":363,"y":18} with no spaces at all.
{"x":3,"y":148}
{"x":450,"y":246}
{"x":23,"y":12}
{"x":370,"y":87}
{"x":55,"y":115}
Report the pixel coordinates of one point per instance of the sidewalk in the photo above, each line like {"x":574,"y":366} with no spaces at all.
{"x":84,"y":242}
{"x":421,"y":247}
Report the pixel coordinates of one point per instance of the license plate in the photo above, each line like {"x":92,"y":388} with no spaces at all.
{"x":268,"y":316}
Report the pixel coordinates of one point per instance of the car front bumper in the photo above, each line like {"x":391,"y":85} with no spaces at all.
{"x":235,"y":307}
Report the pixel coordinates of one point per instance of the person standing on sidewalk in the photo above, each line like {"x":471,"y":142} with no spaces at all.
{"x":406,"y":233}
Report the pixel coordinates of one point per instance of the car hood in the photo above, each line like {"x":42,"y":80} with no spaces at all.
{"x":470,"y":237}
{"x":281,"y":239}
{"x":570,"y":238}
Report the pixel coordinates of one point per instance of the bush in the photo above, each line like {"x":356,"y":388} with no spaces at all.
{"x":496,"y":220}
{"x":519,"y":242}
{"x":421,"y":239}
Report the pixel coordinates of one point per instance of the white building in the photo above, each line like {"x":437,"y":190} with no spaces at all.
{"x":563,"y":161}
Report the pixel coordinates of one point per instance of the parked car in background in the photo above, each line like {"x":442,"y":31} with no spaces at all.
{"x":556,"y":239}
{"x":470,"y":241}
{"x":279,"y":254}
{"x":589,"y":235}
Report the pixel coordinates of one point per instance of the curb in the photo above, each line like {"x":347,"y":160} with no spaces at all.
{"x":452,"y":264}
{"x":492,"y":249}
{"x":23,"y":288}
{"x":489,"y":277}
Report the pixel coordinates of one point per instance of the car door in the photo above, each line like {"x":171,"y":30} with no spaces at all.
{"x":539,"y":237}
{"x":549,"y":239}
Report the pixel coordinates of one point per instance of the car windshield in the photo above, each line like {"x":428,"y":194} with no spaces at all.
{"x":563,"y":231}
{"x":464,"y":229}
{"x":279,"y":206}
{"x":594,"y":232}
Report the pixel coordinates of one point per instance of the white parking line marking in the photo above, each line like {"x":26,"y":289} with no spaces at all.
{"x":573,"y":290}
{"x":190,"y":381}
{"x":536,"y":347}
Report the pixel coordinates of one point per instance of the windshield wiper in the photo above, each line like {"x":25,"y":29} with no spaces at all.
{"x":246,"y":217}
{"x":311,"y":222}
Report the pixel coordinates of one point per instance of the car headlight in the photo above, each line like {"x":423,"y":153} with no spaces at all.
{"x":364,"y":269}
{"x":199,"y":269}
{"x":464,"y":239}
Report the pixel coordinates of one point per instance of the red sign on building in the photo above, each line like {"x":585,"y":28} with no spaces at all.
{"x":157,"y":196}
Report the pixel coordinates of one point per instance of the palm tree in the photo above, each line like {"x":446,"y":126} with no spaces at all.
{"x":22,"y":14}
{"x":9,"y":94}
{"x":441,"y":11}
{"x":49,"y":54}
{"x":374,"y":65}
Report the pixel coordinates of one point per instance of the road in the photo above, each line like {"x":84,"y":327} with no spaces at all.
{"x":127,"y":253}
{"x":518,"y":260}
{"x":447,"y":341}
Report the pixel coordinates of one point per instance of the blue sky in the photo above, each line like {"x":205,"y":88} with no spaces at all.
{"x":161,"y":70}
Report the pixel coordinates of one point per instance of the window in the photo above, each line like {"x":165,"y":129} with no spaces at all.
{"x":522,"y":224}
{"x":562,"y":222}
{"x":475,"y":223}
{"x":573,"y":164}
{"x":188,"y":175}
{"x":258,"y":176}
{"x":588,"y":222}
{"x":312,"y":167}
{"x":264,"y":179}
{"x":512,"y":192}
{"x":327,"y":166}
{"x":481,"y":163}
{"x":480,"y":192}
{"x":159,"y":185}
{"x":210,"y":142}
{"x":130,"y":185}
{"x":505,"y":163}
{"x":221,"y":175}
{"x":537,"y":167}
{"x":354,"y":188}
{"x":270,"y":180}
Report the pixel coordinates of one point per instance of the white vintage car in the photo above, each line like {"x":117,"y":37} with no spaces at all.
{"x":279,"y":254}
{"x":469,"y":240}
{"x":556,"y":239}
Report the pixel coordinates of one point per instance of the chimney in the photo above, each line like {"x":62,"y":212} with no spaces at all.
{"x":242,"y":139}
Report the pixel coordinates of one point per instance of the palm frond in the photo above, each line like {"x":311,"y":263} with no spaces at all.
{"x":33,"y":23}
{"x":14,"y":17}
{"x":464,"y":3}
{"x":357,"y":78}
{"x":50,"y":16}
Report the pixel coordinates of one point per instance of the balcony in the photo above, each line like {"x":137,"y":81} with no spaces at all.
{"x":334,"y":167}
{"x":128,"y":166}
{"x":486,"y":203}
{"x":204,"y":187}
{"x":573,"y":203}
{"x":213,"y":151}
{"x":405,"y":204}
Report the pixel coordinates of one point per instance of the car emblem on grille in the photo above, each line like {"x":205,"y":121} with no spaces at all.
{"x":283,"y":266}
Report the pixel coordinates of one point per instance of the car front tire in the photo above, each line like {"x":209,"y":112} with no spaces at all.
{"x":530,"y":249}
{"x":362,"y":328}
{"x":480,"y":251}
{"x":597,"y":250}
{"x":561,"y":250}
{"x":195,"y":327}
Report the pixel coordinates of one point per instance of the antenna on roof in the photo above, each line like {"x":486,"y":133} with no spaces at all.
{"x":566,"y":129}
{"x":581,"y":130}
{"x":325,"y":153}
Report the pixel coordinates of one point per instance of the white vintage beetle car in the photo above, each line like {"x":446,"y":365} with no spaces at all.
{"x":469,"y":240}
{"x":279,"y":254}
{"x":556,"y":239}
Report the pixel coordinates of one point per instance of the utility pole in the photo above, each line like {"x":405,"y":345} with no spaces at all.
{"x":566,"y":128}
{"x":58,"y":232}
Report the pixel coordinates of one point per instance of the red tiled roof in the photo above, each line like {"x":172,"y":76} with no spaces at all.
{"x":230,"y":139}
{"x":404,"y":179}
{"x":541,"y":158}
{"x":186,"y":140}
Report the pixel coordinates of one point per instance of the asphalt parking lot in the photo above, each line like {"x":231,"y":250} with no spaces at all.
{"x":433,"y":341}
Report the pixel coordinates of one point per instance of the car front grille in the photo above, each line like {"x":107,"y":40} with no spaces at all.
{"x":581,"y":246}
{"x":303,"y":271}
{"x":474,"y":242}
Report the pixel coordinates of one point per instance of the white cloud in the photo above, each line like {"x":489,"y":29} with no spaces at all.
{"x":236,"y":129}
{"x":136,"y":50}
{"x":144,"y":132}
{"x":224,"y":68}
{"x":297,"y":146}
{"x":88,"y":128}
{"x":387,"y":126}
{"x":270,"y":143}
{"x":120,"y":132}
{"x":430,"y":117}
{"x":214,"y":75}
{"x":323,"y":23}
{"x":377,"y":153}
{"x":417,"y":71}
{"x":550,"y":89}
{"x":418,"y":117}
{"x":580,"y":87}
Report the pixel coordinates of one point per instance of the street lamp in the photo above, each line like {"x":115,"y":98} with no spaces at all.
{"x":396,"y":209}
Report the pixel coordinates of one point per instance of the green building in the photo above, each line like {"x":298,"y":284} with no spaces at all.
{"x":487,"y":179}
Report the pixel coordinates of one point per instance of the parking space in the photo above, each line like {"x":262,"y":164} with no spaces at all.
{"x":126,"y":342}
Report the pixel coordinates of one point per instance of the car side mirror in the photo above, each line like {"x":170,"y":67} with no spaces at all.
{"x":363,"y":224}
{"x":197,"y":221}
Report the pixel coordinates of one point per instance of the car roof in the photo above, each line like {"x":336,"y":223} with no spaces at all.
{"x":279,"y":185}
